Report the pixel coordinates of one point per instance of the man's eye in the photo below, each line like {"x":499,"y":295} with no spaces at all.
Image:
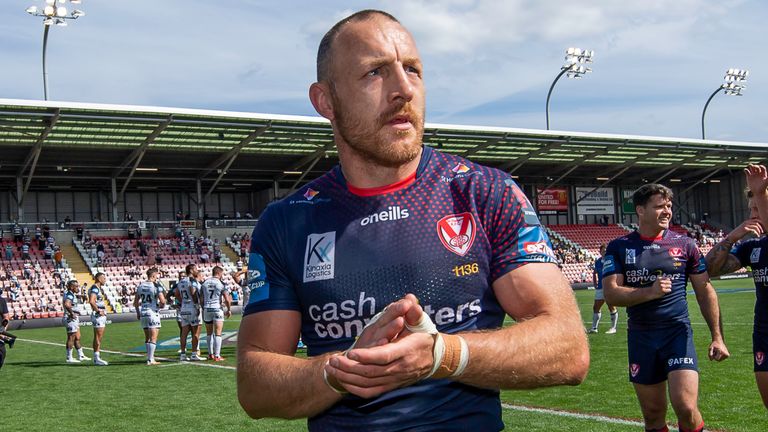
{"x":374,"y":72}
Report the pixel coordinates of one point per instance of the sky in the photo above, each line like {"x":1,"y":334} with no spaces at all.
{"x":486,"y":62}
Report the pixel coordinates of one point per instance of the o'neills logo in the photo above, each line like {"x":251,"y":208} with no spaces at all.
{"x":390,"y":214}
{"x":634,"y":369}
{"x":759,"y":358}
{"x":457,"y":232}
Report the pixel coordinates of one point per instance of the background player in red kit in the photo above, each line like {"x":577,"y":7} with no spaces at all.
{"x":397,"y":217}
{"x":648,"y":271}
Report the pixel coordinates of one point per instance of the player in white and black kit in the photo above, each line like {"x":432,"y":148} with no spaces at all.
{"x":148,"y":302}
{"x":98,"y":316}
{"x":211,"y":293}
{"x":186,"y":291}
{"x":72,"y":323}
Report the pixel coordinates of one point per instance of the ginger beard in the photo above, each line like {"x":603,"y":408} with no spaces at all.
{"x":377,"y":142}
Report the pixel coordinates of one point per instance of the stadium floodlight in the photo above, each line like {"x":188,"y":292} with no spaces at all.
{"x":53,"y":13}
{"x":574,"y":67}
{"x":733,"y":85}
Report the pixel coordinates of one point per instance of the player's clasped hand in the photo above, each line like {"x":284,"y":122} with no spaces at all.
{"x":662,"y":286}
{"x":718,"y":351}
{"x":387,"y":355}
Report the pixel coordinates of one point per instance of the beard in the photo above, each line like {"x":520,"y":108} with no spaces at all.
{"x":390,"y":149}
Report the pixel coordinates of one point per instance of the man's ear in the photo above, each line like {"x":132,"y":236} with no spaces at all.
{"x":320,"y":96}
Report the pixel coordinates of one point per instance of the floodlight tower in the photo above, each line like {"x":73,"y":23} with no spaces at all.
{"x":574,"y":67}
{"x":733,"y":85}
{"x":54,"y":13}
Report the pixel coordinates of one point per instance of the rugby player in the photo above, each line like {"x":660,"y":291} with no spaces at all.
{"x":211,"y":293}
{"x":647,"y":271}
{"x":72,"y":323}
{"x":98,"y":316}
{"x":148,"y":301}
{"x":427,"y":239}
{"x":750,"y":250}
{"x":597,"y":280}
{"x":187,"y":290}
{"x":5,"y":337}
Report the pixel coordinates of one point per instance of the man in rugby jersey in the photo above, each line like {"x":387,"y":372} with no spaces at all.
{"x":212,"y":292}
{"x":72,"y":323}
{"x":597,"y":280}
{"x":397,"y":217}
{"x":747,"y":246}
{"x":148,"y":301}
{"x":647,"y":271}
{"x":98,"y":316}
{"x":187,"y":289}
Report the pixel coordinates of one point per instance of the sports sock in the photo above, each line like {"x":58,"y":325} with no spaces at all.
{"x":80,"y":352}
{"x":700,"y":428}
{"x":96,"y":356}
{"x":614,"y":319}
{"x":69,"y":353}
{"x":151,"y":351}
{"x":217,"y":345}
{"x":209,"y":339}
{"x":596,"y":319}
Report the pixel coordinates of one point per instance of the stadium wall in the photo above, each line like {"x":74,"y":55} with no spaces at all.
{"x":95,"y":205}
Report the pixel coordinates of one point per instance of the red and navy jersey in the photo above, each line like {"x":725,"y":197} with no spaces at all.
{"x":340,"y":257}
{"x":641,"y":261}
{"x":753,"y":253}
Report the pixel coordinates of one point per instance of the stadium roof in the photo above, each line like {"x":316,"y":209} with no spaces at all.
{"x":79,"y":146}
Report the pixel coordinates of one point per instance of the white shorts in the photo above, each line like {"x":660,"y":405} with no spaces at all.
{"x":98,"y":321}
{"x":150,"y":320}
{"x":211,"y":315}
{"x":73,"y":326}
{"x":189,"y":317}
{"x":599,"y":294}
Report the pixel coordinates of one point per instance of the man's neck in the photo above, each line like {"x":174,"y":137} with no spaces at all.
{"x":365,"y":174}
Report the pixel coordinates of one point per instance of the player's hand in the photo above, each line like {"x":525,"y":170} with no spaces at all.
{"x":369,"y":372}
{"x":749,"y":226}
{"x":661,"y":287}
{"x":228,"y":313}
{"x":757,"y":178}
{"x":391,"y":322}
{"x":718,"y":351}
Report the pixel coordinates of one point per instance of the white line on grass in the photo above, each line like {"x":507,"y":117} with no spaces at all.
{"x":577,"y":415}
{"x":134,"y":355}
{"x":570,"y":414}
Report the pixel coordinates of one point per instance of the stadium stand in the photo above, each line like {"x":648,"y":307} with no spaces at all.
{"x":125,"y":261}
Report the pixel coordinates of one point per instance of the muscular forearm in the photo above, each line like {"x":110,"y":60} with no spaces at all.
{"x":618,"y":295}
{"x":277,"y":385}
{"x":718,"y":256}
{"x":544,"y":351}
{"x":710,"y":309}
{"x":761,"y":201}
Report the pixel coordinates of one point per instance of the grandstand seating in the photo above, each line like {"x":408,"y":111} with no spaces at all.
{"x":589,"y":236}
{"x":120,"y":272}
{"x":31,"y":290}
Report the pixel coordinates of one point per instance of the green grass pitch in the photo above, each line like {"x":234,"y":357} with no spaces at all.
{"x":40,"y":392}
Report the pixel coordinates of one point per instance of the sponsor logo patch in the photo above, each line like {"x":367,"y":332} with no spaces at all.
{"x":310,"y":194}
{"x":629,"y":257}
{"x":538,"y":248}
{"x":679,"y":361}
{"x":460,"y":168}
{"x":319,"y":258}
{"x":457,"y":232}
{"x":759,"y":358}
{"x":634,"y":369}
{"x":390,"y":214}
{"x":754,"y":257}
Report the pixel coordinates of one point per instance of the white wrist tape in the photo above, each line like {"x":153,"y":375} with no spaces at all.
{"x":450,"y":353}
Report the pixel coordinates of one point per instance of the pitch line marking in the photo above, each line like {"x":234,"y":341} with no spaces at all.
{"x":577,"y":415}
{"x":165,"y":359}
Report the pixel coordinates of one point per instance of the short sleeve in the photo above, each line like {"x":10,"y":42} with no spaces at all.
{"x":743,"y":250}
{"x":612,"y":263}
{"x":515,"y":233}
{"x":268,"y":280}
{"x":696,"y":263}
